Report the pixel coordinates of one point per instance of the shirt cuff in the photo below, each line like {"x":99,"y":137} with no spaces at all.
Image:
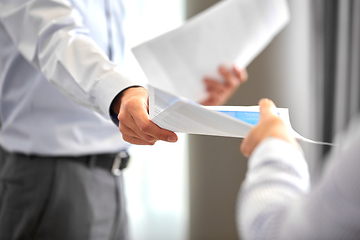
{"x":113,"y":117}
{"x":112,"y":114}
{"x":109,"y":87}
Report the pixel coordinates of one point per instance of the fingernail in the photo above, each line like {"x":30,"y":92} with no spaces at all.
{"x":172,"y":139}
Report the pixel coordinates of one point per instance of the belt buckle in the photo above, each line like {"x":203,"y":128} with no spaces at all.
{"x":116,"y":165}
{"x":118,"y":162}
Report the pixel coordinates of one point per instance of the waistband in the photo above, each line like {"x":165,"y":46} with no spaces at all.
{"x":113,"y":162}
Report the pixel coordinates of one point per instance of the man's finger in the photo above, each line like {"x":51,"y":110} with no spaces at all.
{"x":128,"y":132}
{"x":214,"y":99}
{"x":127,"y":123}
{"x":137,"y":141}
{"x":267,"y":107}
{"x":148,"y":128}
{"x":240,"y":73}
{"x":250,"y":142}
{"x":231,"y":80}
{"x":214,"y":86}
{"x":165,"y":135}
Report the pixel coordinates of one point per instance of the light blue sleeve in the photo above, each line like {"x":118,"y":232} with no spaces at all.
{"x":51,"y":36}
{"x":275,"y":201}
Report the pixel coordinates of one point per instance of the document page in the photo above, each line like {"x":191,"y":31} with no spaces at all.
{"x":230,"y":32}
{"x":179,"y":114}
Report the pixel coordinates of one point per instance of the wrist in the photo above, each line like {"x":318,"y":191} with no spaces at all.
{"x":115,"y":104}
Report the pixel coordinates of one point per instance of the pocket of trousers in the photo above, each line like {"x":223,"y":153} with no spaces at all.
{"x":11,"y":207}
{"x":8,"y":187}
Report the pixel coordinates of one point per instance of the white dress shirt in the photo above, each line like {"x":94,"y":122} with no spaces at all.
{"x":275,"y":201}
{"x":56,"y":81}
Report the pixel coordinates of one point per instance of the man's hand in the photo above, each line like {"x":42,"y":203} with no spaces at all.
{"x":134,"y":122}
{"x":270,"y":125}
{"x":220,"y":92}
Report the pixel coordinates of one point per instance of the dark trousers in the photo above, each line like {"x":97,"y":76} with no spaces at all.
{"x":46,"y":198}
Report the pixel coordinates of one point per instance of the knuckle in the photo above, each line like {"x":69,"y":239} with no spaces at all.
{"x":148,"y":138}
{"x":144,"y":127}
{"x":123,"y":129}
{"x":128,"y":104}
{"x":161,"y":135}
{"x":232,"y":84}
{"x":121,"y":117}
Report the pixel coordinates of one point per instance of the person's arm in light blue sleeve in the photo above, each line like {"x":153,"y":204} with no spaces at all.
{"x":52,"y":37}
{"x":275,"y":200}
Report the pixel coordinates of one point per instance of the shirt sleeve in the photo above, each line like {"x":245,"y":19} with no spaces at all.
{"x":275,"y":201}
{"x":51,"y":36}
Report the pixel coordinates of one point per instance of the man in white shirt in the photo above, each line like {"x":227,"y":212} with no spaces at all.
{"x":276,"y":202}
{"x":61,"y":156}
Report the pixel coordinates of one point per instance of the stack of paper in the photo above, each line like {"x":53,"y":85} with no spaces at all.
{"x":232,"y":31}
{"x":182,"y":115}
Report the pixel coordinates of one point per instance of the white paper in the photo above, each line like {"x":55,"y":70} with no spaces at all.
{"x":230,"y":32}
{"x":182,"y":115}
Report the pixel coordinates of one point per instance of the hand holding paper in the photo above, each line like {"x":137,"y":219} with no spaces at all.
{"x":134,"y":122}
{"x":230,"y":32}
{"x":219,"y":93}
{"x":271,"y":125}
{"x":179,"y":114}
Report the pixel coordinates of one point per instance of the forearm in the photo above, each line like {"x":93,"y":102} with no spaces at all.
{"x":272,"y":183}
{"x":275,"y":202}
{"x":52,"y":38}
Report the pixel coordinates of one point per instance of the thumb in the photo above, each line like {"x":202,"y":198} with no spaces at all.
{"x":267,"y":108}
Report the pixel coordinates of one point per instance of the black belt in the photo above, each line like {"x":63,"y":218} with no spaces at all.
{"x":110,"y":162}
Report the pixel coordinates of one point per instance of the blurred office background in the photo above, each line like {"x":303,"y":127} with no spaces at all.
{"x":188,"y":190}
